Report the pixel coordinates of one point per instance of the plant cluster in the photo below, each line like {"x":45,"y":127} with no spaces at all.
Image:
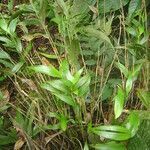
{"x":74,"y":74}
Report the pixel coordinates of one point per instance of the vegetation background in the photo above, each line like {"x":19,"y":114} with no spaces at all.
{"x":74,"y":74}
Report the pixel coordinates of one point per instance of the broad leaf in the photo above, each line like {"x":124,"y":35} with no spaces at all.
{"x":141,"y":140}
{"x":113,"y":132}
{"x":109,"y":146}
{"x":4,"y":25}
{"x":133,"y":122}
{"x":129,"y":84}
{"x":12,"y":26}
{"x":4,"y":55}
{"x":86,"y":147}
{"x":119,"y":102}
{"x":59,"y":85}
{"x":82,"y":86}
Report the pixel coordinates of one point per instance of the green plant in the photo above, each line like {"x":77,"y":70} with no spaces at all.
{"x":77,"y":74}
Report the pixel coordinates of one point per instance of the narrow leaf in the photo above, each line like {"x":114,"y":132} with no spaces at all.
{"x":17,"y":67}
{"x":113,"y":132}
{"x":133,"y":122}
{"x":122,"y":68}
{"x":48,"y":70}
{"x":109,"y":146}
{"x":4,"y":55}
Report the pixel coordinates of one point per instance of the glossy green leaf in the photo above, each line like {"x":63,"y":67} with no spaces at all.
{"x":77,"y":76}
{"x":141,"y":140}
{"x":129,"y":84}
{"x":61,"y":96}
{"x":109,"y":146}
{"x":119,"y":102}
{"x":49,"y":87}
{"x":5,"y":39}
{"x":48,"y":70}
{"x":18,"y":45}
{"x":4,"y":55}
{"x":63,"y":123}
{"x":67,"y":99}
{"x":83,"y":85}
{"x":86,"y":147}
{"x":131,"y":31}
{"x":59,"y":85}
{"x":12,"y":26}
{"x":3,"y":25}
{"x":113,"y":132}
{"x":69,"y":76}
{"x":64,"y":68}
{"x":17,"y":67}
{"x":133,"y":122}
{"x":6,"y":63}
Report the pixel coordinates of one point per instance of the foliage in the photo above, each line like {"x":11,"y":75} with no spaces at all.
{"x":74,"y":74}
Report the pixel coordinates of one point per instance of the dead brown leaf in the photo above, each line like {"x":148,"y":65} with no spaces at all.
{"x":19,"y":144}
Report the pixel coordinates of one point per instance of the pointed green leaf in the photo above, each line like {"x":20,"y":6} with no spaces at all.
{"x":48,"y":70}
{"x":129,"y":84}
{"x":119,"y":102}
{"x":3,"y":25}
{"x":63,"y":123}
{"x":59,"y":85}
{"x":12,"y":26}
{"x":17,"y":67}
{"x":113,"y":132}
{"x":67,"y":99}
{"x":86,"y":147}
{"x":133,"y":122}
{"x":82,"y":86}
{"x":4,"y":55}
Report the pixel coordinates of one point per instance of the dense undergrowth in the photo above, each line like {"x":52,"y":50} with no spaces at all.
{"x":74,"y":74}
